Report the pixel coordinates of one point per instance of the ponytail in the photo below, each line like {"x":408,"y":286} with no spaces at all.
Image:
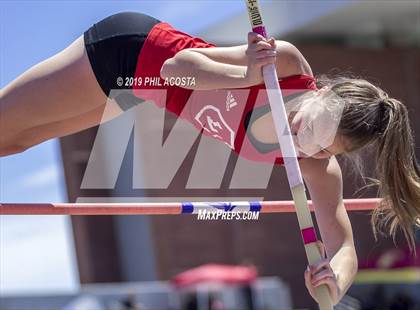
{"x":398,"y":173}
{"x":370,"y":117}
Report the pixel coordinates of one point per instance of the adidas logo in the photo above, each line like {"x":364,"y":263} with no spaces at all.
{"x":230,"y":101}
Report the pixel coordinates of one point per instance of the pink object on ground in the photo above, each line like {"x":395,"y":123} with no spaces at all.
{"x":226,"y":274}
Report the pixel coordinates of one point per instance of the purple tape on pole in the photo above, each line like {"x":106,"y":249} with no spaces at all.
{"x":309,"y":235}
{"x":260,"y":30}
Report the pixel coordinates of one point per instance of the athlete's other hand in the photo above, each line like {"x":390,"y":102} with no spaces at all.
{"x":260,"y":52}
{"x":320,"y":274}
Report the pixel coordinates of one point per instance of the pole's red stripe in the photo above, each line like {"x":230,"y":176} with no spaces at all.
{"x":309,"y":235}
{"x":153,"y":208}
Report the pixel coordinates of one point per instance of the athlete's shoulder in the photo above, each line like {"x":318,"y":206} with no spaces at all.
{"x":290,"y":60}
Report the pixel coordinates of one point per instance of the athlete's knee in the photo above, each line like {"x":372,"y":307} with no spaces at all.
{"x":11,"y":149}
{"x":18,"y":143}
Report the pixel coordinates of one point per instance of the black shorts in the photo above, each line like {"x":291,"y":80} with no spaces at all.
{"x":113,"y":46}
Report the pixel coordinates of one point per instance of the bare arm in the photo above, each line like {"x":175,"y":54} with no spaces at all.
{"x":226,"y":67}
{"x":332,"y":218}
{"x":290,"y":60}
{"x":208,"y":74}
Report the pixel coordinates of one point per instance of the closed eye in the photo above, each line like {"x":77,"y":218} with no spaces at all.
{"x":325,"y":151}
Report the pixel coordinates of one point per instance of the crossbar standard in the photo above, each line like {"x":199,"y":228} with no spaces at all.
{"x":167,"y":208}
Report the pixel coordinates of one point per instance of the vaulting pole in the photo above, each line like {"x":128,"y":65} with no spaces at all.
{"x":288,"y":151}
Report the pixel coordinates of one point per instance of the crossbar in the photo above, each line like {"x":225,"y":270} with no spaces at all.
{"x":167,"y":208}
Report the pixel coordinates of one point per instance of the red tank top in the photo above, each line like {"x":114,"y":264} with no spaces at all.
{"x":223,"y":114}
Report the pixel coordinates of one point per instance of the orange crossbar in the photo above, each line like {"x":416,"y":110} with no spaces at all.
{"x":152,"y":208}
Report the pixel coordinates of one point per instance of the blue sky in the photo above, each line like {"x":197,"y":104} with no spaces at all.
{"x":36,"y":253}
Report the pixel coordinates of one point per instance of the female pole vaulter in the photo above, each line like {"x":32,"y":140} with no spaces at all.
{"x":68,"y":92}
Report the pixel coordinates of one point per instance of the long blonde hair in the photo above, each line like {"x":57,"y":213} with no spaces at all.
{"x":371,"y":117}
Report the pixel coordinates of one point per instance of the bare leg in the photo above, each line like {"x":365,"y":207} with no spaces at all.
{"x":35,"y":135}
{"x":55,"y":98}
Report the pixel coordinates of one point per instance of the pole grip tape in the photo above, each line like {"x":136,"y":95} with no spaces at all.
{"x":260,"y":30}
{"x":309,"y":235}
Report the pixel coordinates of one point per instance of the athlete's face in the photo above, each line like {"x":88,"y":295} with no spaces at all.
{"x":309,"y":144}
{"x":336,"y":148}
{"x":314,"y":122}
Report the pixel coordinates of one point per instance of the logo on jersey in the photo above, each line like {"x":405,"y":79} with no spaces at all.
{"x":211,"y":120}
{"x":230,"y":101}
